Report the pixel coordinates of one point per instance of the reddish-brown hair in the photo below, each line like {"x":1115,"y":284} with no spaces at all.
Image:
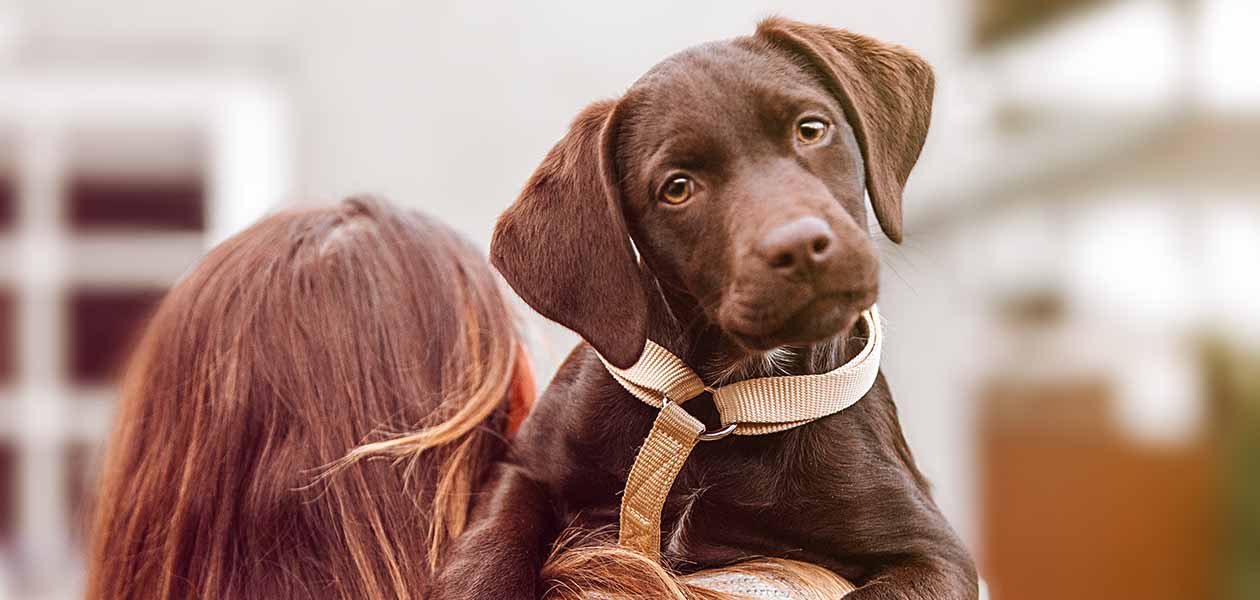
{"x":287,"y":347}
{"x":589,"y":564}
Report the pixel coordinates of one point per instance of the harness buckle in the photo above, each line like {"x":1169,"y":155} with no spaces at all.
{"x":707,"y":436}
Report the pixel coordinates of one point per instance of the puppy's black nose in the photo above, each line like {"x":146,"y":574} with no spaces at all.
{"x":798,"y":245}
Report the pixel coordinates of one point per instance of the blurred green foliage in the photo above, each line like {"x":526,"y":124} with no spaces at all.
{"x":1234,"y":382}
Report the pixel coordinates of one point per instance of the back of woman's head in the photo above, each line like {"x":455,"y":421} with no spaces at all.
{"x":288,"y":346}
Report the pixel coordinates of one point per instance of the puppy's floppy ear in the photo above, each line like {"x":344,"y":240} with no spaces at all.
{"x":563,"y":246}
{"x":886,"y":92}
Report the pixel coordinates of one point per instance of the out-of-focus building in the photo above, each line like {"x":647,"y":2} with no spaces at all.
{"x":115,"y":175}
{"x":1072,"y":319}
{"x":1093,"y":227}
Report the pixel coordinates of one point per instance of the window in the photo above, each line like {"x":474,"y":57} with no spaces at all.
{"x":8,"y":491}
{"x":170,"y":203}
{"x":104,"y":324}
{"x":8,"y":336}
{"x":8,"y":202}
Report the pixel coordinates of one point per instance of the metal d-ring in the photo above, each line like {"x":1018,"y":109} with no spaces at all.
{"x":713,"y":436}
{"x":706,"y":436}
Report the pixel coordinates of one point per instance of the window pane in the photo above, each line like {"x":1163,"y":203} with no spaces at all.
{"x":104,"y":324}
{"x":8,"y":202}
{"x":8,"y":491}
{"x":8,"y":335}
{"x":105,"y":201}
{"x":135,"y":178}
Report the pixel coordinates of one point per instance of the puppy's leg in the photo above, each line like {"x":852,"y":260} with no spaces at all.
{"x":501,"y":555}
{"x":921,"y":579}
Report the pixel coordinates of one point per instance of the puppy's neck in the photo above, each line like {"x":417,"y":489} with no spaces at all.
{"x":680,"y":324}
{"x":729,"y":365}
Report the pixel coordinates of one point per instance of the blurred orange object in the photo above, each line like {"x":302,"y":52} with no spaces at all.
{"x":1072,"y":509}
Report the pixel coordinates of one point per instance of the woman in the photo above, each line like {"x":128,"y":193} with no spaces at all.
{"x":288,"y":346}
{"x":271,"y":376}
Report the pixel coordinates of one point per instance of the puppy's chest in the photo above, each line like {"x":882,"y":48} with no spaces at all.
{"x":725,"y":508}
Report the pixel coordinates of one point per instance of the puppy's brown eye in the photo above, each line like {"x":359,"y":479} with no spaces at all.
{"x":811,"y":131}
{"x":678,"y":190}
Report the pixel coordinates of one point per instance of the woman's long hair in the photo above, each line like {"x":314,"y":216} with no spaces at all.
{"x":232,"y":471}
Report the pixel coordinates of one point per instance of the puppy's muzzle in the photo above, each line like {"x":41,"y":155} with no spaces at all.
{"x":799,"y":248}
{"x":804,"y":279}
{"x":808,"y":252}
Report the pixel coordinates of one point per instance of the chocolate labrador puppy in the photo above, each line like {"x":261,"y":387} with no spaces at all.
{"x":738,"y":170}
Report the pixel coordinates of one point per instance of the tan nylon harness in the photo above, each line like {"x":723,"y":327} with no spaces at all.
{"x":751,"y":407}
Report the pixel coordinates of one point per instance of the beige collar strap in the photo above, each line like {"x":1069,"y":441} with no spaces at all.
{"x":751,"y":407}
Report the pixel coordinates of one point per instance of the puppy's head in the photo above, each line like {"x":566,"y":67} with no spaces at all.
{"x":739,"y":170}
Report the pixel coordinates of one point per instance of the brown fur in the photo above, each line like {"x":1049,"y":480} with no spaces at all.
{"x":887,"y":92}
{"x":762,"y":270}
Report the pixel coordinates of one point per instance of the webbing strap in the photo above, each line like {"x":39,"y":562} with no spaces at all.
{"x":666,"y":448}
{"x":754,"y":406}
{"x":770,"y":404}
{"x":658,"y":373}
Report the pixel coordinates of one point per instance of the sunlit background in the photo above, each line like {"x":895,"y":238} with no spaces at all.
{"x":1074,"y":318}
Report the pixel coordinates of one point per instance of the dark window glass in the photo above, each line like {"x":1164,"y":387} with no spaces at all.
{"x":8,"y":335}
{"x":8,"y":202}
{"x":8,"y":490}
{"x":103,"y":326}
{"x":99,"y":201}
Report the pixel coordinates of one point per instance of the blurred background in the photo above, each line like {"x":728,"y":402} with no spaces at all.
{"x":1074,"y":318}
